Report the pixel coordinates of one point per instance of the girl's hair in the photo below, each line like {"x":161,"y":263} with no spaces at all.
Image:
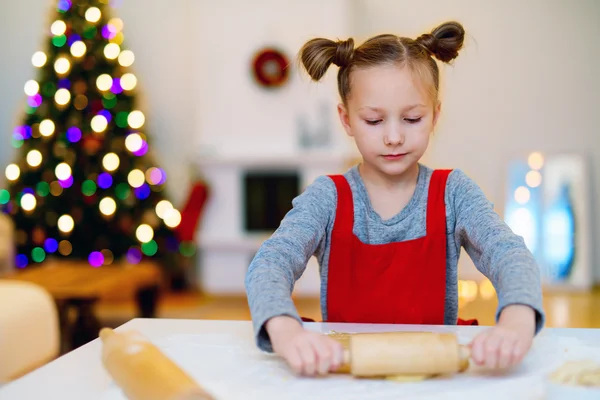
{"x":443,"y":43}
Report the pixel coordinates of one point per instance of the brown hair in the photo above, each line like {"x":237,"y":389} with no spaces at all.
{"x":443,"y":43}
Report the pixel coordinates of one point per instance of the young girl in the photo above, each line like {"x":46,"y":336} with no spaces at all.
{"x":388,"y":232}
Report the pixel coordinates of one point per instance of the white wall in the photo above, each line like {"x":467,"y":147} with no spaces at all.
{"x":526,"y":80}
{"x":237,"y":116}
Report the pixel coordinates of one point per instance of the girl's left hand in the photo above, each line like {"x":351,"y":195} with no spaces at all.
{"x":506,"y":344}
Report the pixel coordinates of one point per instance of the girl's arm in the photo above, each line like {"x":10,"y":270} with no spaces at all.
{"x":282,"y":259}
{"x":497,"y":252}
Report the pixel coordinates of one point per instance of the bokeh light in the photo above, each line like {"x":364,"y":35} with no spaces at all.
{"x":144,"y":233}
{"x":93,"y":14}
{"x":133,"y":142}
{"x":111,"y":51}
{"x":58,"y":27}
{"x":66,"y":223}
{"x":47,"y":127}
{"x":62,"y":65}
{"x":107,"y":206}
{"x":110,"y":162}
{"x":99,"y":123}
{"x":31,"y":87}
{"x":126,"y":58}
{"x":39,"y":59}
{"x":62,"y":171}
{"x":78,"y":49}
{"x":136,"y":178}
{"x":34,"y":158}
{"x":136,"y":119}
{"x":172,"y":218}
{"x":12,"y":172}
{"x":28,"y":202}
{"x":104,"y":82}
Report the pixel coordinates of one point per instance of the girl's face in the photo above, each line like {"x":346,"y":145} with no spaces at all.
{"x":390,"y":116}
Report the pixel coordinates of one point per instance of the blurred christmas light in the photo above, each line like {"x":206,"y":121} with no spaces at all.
{"x":62,"y":97}
{"x":104,"y":82}
{"x":128,"y":81}
{"x":99,"y":123}
{"x":78,"y":49}
{"x":115,"y":24}
{"x":34,"y":158}
{"x":117,"y":39}
{"x":134,"y":255}
{"x":110,"y":162}
{"x":106,"y":114}
{"x":22,"y":132}
{"x":12,"y":172}
{"x":153,"y":176}
{"x":111,"y":51}
{"x":35,"y":100}
{"x":105,"y":180}
{"x":535,"y":161}
{"x":143,"y":150}
{"x":123,"y":191}
{"x":59,"y":41}
{"x":73,"y":134}
{"x":62,"y":171}
{"x":42,"y":189}
{"x":88,"y":188}
{"x":4,"y":196}
{"x":65,"y":247}
{"x":51,"y":245}
{"x":163,"y":207}
{"x":96,"y":259}
{"x":93,"y":14}
{"x":142,"y":192}
{"x":47,"y":127}
{"x":21,"y":261}
{"x":31,"y":87}
{"x":144,"y":233}
{"x":107,"y":206}
{"x":28,"y":202}
{"x":187,"y":249}
{"x":108,"y":256}
{"x":66,"y":223}
{"x":39,"y":59}
{"x":136,"y":119}
{"x":133,"y":142}
{"x":62,"y":65}
{"x":64,"y":5}
{"x":126,"y":58}
{"x":108,"y":32}
{"x":116,"y":87}
{"x":38,"y":254}
{"x":73,"y":37}
{"x":67,"y":183}
{"x":136,"y":178}
{"x":150,"y":248}
{"x":56,"y":189}
{"x":172,"y":218}
{"x":58,"y":27}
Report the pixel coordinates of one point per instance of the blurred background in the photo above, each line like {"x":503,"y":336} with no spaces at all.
{"x":189,"y":127}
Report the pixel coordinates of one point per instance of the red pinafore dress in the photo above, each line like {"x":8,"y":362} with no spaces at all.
{"x":394,"y":283}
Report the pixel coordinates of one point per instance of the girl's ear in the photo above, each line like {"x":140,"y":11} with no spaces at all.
{"x":344,"y":118}
{"x":436,"y":113}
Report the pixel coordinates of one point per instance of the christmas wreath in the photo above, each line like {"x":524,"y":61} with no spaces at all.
{"x":270,"y":68}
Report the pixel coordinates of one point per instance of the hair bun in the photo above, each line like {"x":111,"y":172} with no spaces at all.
{"x":445,"y":41}
{"x":344,"y":52}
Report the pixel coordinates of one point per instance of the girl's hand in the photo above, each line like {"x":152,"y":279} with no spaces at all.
{"x":506,"y":344}
{"x":307,"y":353}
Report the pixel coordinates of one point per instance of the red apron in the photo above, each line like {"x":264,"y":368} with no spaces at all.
{"x":395,"y":283}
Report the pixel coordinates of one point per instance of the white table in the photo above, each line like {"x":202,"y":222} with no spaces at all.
{"x":222,"y":356}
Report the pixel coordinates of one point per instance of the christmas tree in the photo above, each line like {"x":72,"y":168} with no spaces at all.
{"x":83,"y":185}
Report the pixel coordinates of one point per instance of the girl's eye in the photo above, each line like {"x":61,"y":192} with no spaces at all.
{"x":412,"y":120}
{"x":373,"y":121}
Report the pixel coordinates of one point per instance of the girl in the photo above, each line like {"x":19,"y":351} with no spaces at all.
{"x":387,"y":233}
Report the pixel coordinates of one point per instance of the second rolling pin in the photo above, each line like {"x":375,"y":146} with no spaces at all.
{"x":402,"y":354}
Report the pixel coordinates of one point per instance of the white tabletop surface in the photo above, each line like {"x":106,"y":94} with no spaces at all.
{"x":222,"y":356}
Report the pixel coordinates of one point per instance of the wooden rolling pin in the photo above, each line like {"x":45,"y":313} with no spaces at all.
{"x":143,"y":372}
{"x":402,"y":354}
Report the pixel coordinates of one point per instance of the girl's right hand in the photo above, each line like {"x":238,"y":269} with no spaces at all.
{"x":306,"y":352}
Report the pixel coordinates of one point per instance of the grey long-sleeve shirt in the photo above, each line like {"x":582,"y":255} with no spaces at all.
{"x":471,"y":223}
